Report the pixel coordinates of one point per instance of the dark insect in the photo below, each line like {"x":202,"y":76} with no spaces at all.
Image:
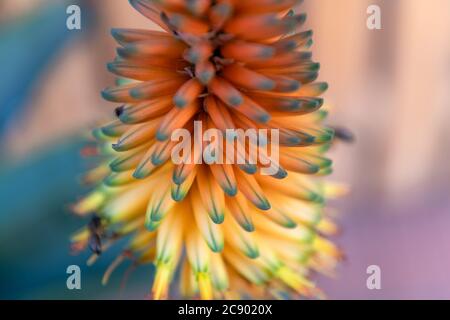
{"x":344,"y":134}
{"x":96,"y":231}
{"x":119,"y":111}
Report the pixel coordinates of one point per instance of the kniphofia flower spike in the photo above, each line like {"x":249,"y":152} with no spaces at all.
{"x":218,"y":230}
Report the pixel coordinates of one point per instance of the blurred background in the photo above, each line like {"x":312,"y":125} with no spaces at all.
{"x":390,"y":87}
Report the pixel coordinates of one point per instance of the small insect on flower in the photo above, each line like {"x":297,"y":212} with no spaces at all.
{"x":218,"y":230}
{"x":95,"y":233}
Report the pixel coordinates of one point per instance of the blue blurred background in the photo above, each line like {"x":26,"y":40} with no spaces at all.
{"x":390,"y":87}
